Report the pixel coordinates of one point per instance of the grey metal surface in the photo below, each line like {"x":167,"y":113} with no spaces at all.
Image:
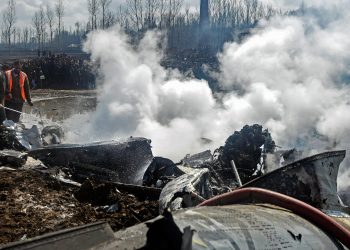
{"x":238,"y":227}
{"x":197,"y":159}
{"x":84,"y":237}
{"x":125,"y":160}
{"x":312,"y":180}
{"x":177,"y":193}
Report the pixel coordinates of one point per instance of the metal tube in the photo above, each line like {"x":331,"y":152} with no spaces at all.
{"x":2,"y":106}
{"x":39,"y":111}
{"x":236,"y":173}
{"x":13,"y":110}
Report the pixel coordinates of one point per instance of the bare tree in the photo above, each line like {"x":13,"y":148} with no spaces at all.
{"x":17,"y":36}
{"x":50,"y":16}
{"x":25,"y":36}
{"x":227,"y":18}
{"x":121,"y":17}
{"x":93,"y":8}
{"x":174,"y":7}
{"x":135,"y":13}
{"x":162,"y":10}
{"x":110,"y":19}
{"x":105,"y":11}
{"x":9,"y":20}
{"x":39,"y":24}
{"x":59,"y":14}
{"x":42,"y":20}
{"x":14,"y":35}
{"x":36,"y":25}
{"x":152,"y":7}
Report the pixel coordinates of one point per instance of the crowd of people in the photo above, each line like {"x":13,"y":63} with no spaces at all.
{"x":59,"y":72}
{"x":62,"y":71}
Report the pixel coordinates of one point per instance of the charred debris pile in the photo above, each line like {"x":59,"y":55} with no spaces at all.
{"x":46,"y":186}
{"x":33,"y":203}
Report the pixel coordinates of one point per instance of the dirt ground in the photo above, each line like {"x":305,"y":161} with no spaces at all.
{"x":46,"y":93}
{"x":33,"y":203}
{"x":58,"y":105}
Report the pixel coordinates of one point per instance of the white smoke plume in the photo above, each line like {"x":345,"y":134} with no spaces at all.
{"x":140,"y":98}
{"x":291,"y":75}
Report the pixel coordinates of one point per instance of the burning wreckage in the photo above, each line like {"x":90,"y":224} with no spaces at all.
{"x":245,"y":195}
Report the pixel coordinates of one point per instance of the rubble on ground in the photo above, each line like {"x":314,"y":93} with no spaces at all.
{"x":312,"y":179}
{"x":17,"y":137}
{"x":48,"y":188}
{"x":37,"y":197}
{"x":207,"y":175}
{"x":33,"y":203}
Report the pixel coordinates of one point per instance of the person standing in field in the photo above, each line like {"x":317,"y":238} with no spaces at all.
{"x":17,"y":91}
{"x":2,"y":94}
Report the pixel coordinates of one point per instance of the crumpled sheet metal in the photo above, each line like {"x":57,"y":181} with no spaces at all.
{"x":30,"y":138}
{"x":27,"y":138}
{"x":182,"y":191}
{"x":16,"y":136}
{"x":312,"y":180}
{"x":124,"y":160}
{"x":83,"y":237}
{"x":238,"y":227}
{"x":9,"y":139}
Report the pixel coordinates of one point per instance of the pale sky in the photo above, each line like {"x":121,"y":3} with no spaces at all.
{"x":75,"y":10}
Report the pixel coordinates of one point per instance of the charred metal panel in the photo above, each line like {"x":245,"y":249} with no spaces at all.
{"x":124,"y":161}
{"x":12,"y":157}
{"x":160,"y":172}
{"x":84,"y":237}
{"x":238,"y":227}
{"x":312,"y":180}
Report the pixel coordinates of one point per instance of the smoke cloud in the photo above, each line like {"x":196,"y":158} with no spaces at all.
{"x":291,"y":75}
{"x":296,"y":69}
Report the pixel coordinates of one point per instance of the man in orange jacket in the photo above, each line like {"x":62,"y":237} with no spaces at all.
{"x":2,"y":95}
{"x":17,"y":91}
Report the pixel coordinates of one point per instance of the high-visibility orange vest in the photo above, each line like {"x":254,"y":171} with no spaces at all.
{"x":22,"y":79}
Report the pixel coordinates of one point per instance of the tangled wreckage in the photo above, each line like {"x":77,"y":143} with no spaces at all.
{"x":108,"y":195}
